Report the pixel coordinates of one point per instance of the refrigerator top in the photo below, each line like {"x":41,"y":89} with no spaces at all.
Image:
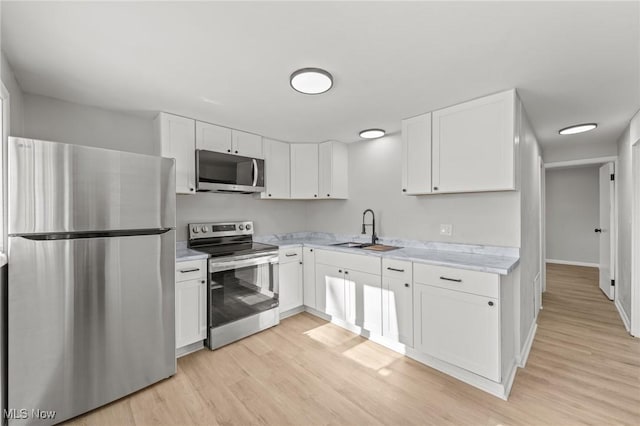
{"x":63,"y":188}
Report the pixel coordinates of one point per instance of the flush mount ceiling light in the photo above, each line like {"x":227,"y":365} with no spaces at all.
{"x":372,"y":133}
{"x":578,"y":128}
{"x":311,"y":81}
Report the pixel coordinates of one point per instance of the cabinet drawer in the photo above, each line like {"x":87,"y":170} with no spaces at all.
{"x":349,"y":261}
{"x":399,"y":269}
{"x":473,"y":282}
{"x":293,"y":254}
{"x":191,"y":270}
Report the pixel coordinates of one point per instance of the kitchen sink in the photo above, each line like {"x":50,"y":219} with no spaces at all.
{"x":366,"y":246}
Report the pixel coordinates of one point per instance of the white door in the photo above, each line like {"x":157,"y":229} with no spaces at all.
{"x":290,"y":285}
{"x":459,"y":328}
{"x":309,"y":273}
{"x":364,"y":300}
{"x":605,"y":229}
{"x":304,"y":171}
{"x":331,"y":292}
{"x":246,"y":144}
{"x":213,"y":138}
{"x":277,"y":168}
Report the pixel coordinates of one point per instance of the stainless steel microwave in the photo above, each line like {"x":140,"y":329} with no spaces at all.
{"x":218,"y":172}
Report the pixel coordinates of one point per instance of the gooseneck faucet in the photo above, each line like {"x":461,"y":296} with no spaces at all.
{"x":374,"y":237}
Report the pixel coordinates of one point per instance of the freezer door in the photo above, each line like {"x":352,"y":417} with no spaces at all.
{"x":56,"y":187}
{"x":90,"y":320}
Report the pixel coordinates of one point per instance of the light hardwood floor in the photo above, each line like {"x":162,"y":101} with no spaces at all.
{"x":583,"y":369}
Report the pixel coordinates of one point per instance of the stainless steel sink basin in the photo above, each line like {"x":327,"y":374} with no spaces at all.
{"x":366,"y":246}
{"x":351,"y":244}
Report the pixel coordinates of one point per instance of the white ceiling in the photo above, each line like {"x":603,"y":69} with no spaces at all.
{"x":229,"y":63}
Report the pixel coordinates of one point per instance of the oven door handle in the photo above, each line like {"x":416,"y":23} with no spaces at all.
{"x":234,"y":264}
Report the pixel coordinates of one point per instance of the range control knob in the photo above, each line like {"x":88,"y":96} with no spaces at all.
{"x":194,"y":229}
{"x":204,"y":229}
{"x":241,"y":227}
{"x":248,"y":226}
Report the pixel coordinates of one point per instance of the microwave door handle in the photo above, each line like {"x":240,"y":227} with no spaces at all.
{"x":255,"y":172}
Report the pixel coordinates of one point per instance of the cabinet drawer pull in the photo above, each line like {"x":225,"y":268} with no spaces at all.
{"x":457,"y":280}
{"x":291,"y":254}
{"x":184,"y":271}
{"x":395,"y":269}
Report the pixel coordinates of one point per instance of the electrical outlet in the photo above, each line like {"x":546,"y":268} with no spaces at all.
{"x":446,"y":229}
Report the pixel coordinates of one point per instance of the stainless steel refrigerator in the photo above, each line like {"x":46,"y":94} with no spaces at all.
{"x":91,"y":277}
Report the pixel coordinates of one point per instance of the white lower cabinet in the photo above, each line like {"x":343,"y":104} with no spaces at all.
{"x":331,"y":291}
{"x":364,"y":300}
{"x":397,"y":301}
{"x":309,"y":277}
{"x":191,"y":302}
{"x":290,"y":279}
{"x":460,"y":328}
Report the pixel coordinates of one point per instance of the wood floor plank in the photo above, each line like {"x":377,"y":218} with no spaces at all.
{"x":584,"y":368}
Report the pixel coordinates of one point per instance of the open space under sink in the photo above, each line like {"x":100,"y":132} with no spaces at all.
{"x":366,"y":246}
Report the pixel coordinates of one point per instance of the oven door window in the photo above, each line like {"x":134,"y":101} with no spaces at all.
{"x":241,"y":292}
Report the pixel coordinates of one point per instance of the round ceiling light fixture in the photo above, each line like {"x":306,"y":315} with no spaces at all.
{"x":578,"y":128}
{"x":311,"y":81}
{"x":372,"y":133}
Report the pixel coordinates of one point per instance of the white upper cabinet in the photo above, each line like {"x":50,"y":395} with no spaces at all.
{"x":221,"y":139}
{"x":177,"y":140}
{"x":304,"y":171}
{"x":277,"y":163}
{"x":246,"y":144}
{"x":416,"y":155}
{"x":333,"y":173}
{"x":473,"y":145}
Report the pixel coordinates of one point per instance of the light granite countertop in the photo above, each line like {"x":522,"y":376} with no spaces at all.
{"x":184,"y":253}
{"x":492,"y":259}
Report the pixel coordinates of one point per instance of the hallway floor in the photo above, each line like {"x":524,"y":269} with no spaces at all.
{"x":583,"y":369}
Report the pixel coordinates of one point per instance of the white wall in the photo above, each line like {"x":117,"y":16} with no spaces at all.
{"x":572,"y":214}
{"x":16,"y":97}
{"x":625,"y":196}
{"x":491,"y":218}
{"x":270,"y":216}
{"x":574,"y":151}
{"x":529,"y":173}
{"x":56,"y":120}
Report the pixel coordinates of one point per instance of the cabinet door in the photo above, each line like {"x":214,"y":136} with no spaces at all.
{"x":364,"y":300}
{"x":177,"y":140}
{"x":459,"y":328}
{"x":191,"y":312}
{"x":330,"y":291}
{"x":304,"y":171}
{"x":277,"y":163}
{"x":333,"y":170}
{"x":309,"y":272}
{"x":212,"y":137}
{"x":473,"y":145}
{"x":290,"y":285}
{"x":416,"y":155}
{"x":246,"y":144}
{"x":397,"y":310}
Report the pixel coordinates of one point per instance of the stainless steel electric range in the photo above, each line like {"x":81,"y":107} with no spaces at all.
{"x":243,"y":280}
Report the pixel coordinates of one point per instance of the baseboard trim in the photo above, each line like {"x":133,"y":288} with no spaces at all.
{"x":623,"y":315}
{"x":291,"y":312}
{"x":573,"y":263}
{"x":523,"y":356}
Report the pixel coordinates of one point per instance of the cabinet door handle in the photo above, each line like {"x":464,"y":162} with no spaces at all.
{"x":404,"y":190}
{"x":291,"y":254}
{"x":328,"y":195}
{"x":346,"y":272}
{"x":202,"y":281}
{"x":228,"y":150}
{"x":301,"y":263}
{"x":339,"y":271}
{"x":457,"y":280}
{"x":490,"y":303}
{"x":395,"y":269}
{"x":184,"y":271}
{"x":406,"y":284}
{"x":310,"y":250}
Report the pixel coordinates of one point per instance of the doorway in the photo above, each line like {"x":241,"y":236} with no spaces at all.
{"x":580,"y":218}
